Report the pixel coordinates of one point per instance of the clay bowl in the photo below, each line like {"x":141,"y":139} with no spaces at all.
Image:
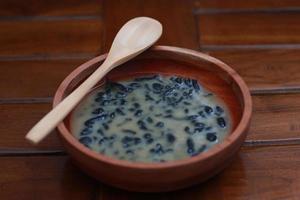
{"x":158,"y":177}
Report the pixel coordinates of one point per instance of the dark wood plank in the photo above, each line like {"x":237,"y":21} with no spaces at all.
{"x":261,"y":69}
{"x":176,"y":17}
{"x":274,"y":117}
{"x":43,"y":178}
{"x":268,"y":69}
{"x":249,"y":28}
{"x":252,"y":175}
{"x":34,"y":78}
{"x":50,"y":37}
{"x":50,"y":8}
{"x":16,"y":121}
{"x":241,"y":4}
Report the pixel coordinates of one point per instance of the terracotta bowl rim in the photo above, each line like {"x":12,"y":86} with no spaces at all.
{"x":239,"y":130}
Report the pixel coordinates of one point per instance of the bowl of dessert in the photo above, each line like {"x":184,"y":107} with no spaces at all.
{"x":166,"y":120}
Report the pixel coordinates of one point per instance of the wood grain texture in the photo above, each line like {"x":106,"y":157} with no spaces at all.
{"x":175,"y":15}
{"x":249,"y":28}
{"x":251,"y":175}
{"x":261,"y":69}
{"x":241,"y":4}
{"x":16,"y":121}
{"x":43,"y":178}
{"x":274,"y":117}
{"x":34,"y":78}
{"x":50,"y":8}
{"x":50,"y":37}
{"x":267,"y":69}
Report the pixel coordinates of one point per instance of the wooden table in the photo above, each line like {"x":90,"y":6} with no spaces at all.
{"x":42,"y":41}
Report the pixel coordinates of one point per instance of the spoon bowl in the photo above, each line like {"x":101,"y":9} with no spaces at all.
{"x":134,"y":37}
{"x":129,"y":42}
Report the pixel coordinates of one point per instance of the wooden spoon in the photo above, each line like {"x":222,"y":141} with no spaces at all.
{"x":132,"y":39}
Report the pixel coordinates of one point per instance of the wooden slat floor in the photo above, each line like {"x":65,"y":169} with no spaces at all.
{"x":43,"y":41}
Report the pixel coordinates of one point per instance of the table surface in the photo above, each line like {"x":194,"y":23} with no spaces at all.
{"x":43,"y":41}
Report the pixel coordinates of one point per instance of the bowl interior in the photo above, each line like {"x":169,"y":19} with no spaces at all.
{"x":209,"y":75}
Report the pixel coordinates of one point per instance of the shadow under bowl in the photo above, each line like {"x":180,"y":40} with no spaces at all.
{"x":211,"y":73}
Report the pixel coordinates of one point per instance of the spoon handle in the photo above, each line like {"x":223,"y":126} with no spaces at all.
{"x":57,"y":114}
